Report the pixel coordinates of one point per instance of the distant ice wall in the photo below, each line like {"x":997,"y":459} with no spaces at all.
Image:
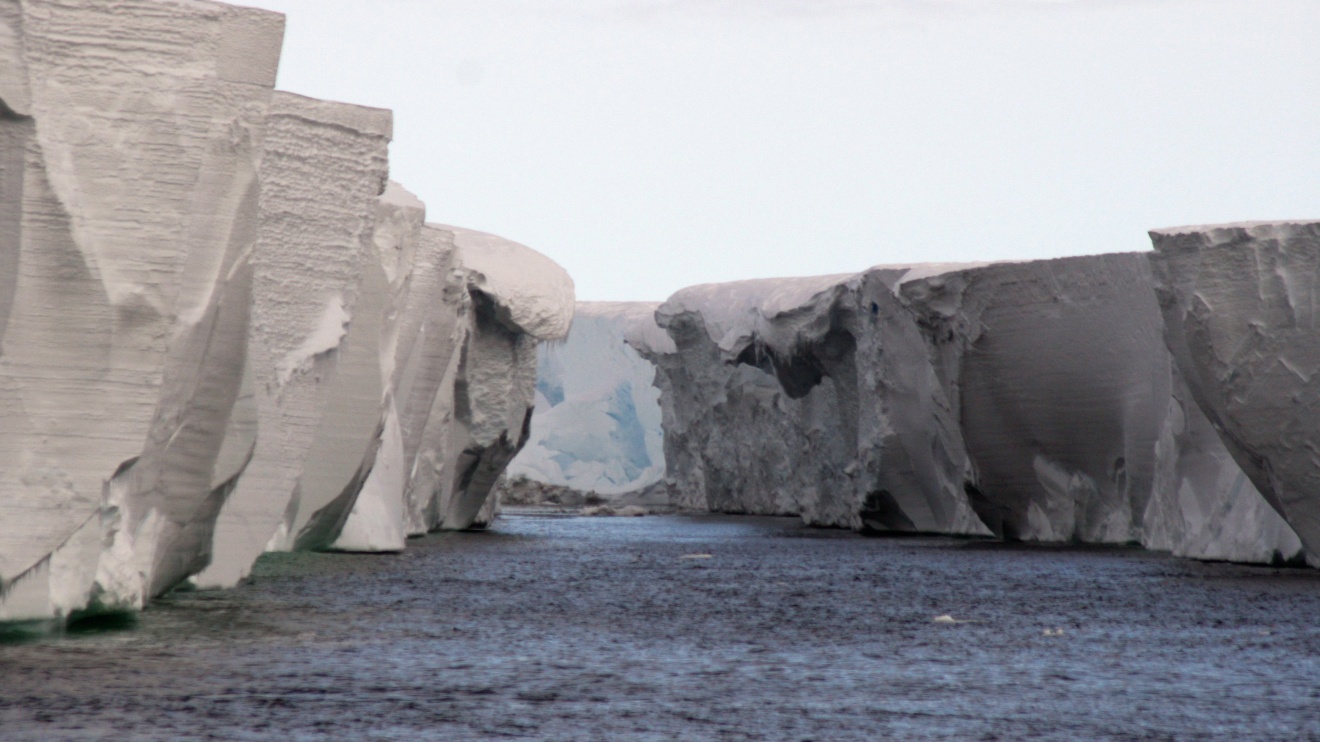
{"x":1239,"y":304}
{"x":811,"y":397}
{"x":596,"y":426}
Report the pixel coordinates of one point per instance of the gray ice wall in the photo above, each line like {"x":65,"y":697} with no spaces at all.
{"x":1030,"y":400}
{"x":1240,"y":318}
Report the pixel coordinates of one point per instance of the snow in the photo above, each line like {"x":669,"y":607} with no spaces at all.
{"x":533,"y":293}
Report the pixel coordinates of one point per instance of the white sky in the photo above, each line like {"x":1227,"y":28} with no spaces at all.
{"x":648,"y":145}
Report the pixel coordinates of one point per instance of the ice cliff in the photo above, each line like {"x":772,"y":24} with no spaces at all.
{"x":809,"y":396}
{"x":317,"y":282}
{"x":1076,"y":423}
{"x":596,"y":426}
{"x":221,"y":330}
{"x":511,"y":299}
{"x":130,"y":141}
{"x":1031,"y":400}
{"x":1239,"y":304}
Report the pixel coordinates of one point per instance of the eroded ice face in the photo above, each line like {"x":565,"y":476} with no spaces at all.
{"x":1239,"y":310}
{"x":125,"y":292}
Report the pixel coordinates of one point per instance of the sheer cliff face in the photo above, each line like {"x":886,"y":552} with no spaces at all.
{"x":1031,"y":400}
{"x":1240,"y":317}
{"x":1061,"y":379}
{"x":811,"y":397}
{"x":596,"y":427}
{"x":412,"y":268}
{"x":127,"y":199}
{"x":324,"y":166}
{"x":220,"y":331}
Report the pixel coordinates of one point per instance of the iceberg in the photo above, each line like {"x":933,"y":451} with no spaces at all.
{"x":1029,"y":400}
{"x":222,"y":330}
{"x":312,"y":345}
{"x":812,"y":397}
{"x":509,"y":299}
{"x":376,"y":521}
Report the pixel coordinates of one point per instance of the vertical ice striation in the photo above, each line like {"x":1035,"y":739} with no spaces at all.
{"x":377,"y":522}
{"x":1203,"y":505}
{"x":313,"y":348}
{"x":220,"y":330}
{"x":1239,"y":304}
{"x":130,"y":141}
{"x":596,"y":426}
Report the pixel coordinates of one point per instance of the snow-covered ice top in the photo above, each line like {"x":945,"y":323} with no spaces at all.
{"x":534,"y":293}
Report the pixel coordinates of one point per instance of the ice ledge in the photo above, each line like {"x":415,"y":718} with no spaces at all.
{"x":532,"y":293}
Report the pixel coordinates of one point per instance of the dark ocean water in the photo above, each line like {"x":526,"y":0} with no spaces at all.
{"x":597,"y":629}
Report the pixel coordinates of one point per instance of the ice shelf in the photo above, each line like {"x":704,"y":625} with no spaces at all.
{"x":1029,"y":400}
{"x":1240,"y":319}
{"x":222,"y":330}
{"x":128,"y":211}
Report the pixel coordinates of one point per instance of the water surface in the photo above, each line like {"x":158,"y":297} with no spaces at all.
{"x":597,"y":628}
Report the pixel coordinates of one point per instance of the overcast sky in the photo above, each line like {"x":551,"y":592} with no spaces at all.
{"x":648,"y":145}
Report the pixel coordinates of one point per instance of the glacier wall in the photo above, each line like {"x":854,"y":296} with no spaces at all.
{"x":323,"y":167}
{"x":1240,"y":318}
{"x":1059,"y":371}
{"x":812,"y":397}
{"x":596,"y":426}
{"x":1032,"y":400}
{"x":514,"y":298}
{"x":129,"y":199}
{"x":222,"y":330}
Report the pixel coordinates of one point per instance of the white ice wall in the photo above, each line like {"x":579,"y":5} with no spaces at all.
{"x":220,"y":331}
{"x":323,"y":167}
{"x":515,"y":298}
{"x":132,"y":135}
{"x":596,"y":426}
